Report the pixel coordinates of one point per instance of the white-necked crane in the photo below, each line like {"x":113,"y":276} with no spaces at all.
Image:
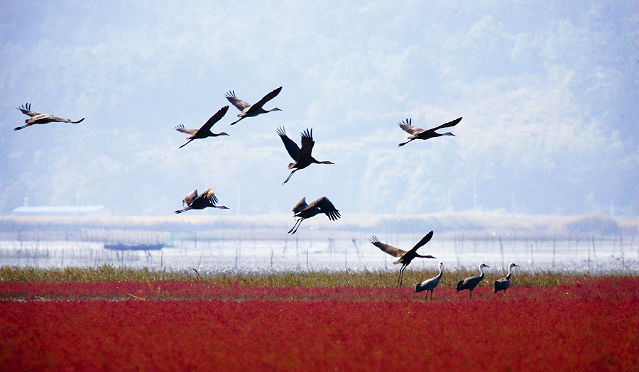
{"x":430,"y":284}
{"x":248,"y":110}
{"x":471,"y":283}
{"x":302,"y":156}
{"x":205,"y":130}
{"x":194,"y":201}
{"x":423,"y":134}
{"x":38,"y":118}
{"x":405,"y":258}
{"x":302,"y":211}
{"x":503,"y":283}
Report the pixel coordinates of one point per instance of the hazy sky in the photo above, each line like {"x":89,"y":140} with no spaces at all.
{"x":548,"y":91}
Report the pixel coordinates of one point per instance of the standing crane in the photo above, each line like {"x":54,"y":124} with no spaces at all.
{"x":248,"y":110}
{"x":38,"y":118}
{"x":471,"y":283}
{"x":430,"y":284}
{"x":503,"y":283}
{"x":302,"y":211}
{"x":405,"y":258}
{"x":301,"y":156}
{"x":205,"y":130}
{"x":194,"y":201}
{"x":424,"y":134}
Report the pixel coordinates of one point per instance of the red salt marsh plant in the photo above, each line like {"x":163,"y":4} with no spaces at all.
{"x":592,"y":326}
{"x":265,"y":335}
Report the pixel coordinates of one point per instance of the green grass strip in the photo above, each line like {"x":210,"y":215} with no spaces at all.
{"x":375,"y":278}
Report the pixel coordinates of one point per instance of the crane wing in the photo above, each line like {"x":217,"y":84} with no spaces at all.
{"x":241,"y":105}
{"x":307,"y":145}
{"x":449,"y":124}
{"x":300,"y":205}
{"x":406,"y":126}
{"x":59,"y":119}
{"x":188,"y":199}
{"x":395,"y":252}
{"x":209,"y":195}
{"x":26,"y":109}
{"x":214,"y":119}
{"x":325,"y":206}
{"x":266,"y":98}
{"x":424,"y":240}
{"x":291,"y":146}
{"x":48,"y":118}
{"x":468,"y":283}
{"x":180,"y":128}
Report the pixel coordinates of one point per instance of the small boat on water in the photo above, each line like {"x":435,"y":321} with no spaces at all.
{"x":134,"y":247}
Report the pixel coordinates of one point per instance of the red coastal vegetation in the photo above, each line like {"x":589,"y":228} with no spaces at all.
{"x":194,"y":326}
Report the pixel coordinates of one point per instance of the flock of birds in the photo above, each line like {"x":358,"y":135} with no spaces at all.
{"x":302,"y":158}
{"x":406,"y":257}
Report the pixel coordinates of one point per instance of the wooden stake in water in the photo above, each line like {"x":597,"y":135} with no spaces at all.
{"x":456,"y":253}
{"x":501,"y":250}
{"x":554,"y":248}
{"x":359,"y":256}
{"x":623,"y":264}
{"x":237,"y":253}
{"x":345,"y":258}
{"x":589,"y":254}
{"x":330,"y":247}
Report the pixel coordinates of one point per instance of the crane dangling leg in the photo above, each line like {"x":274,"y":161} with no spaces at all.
{"x":403,"y":143}
{"x":296,"y":226}
{"x":401,"y":275}
{"x":189,"y":141}
{"x":289,"y":176}
{"x":237,"y":121}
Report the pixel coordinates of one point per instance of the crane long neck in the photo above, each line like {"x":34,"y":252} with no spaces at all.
{"x":313,"y":160}
{"x":481,"y":272}
{"x":509,"y":272}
